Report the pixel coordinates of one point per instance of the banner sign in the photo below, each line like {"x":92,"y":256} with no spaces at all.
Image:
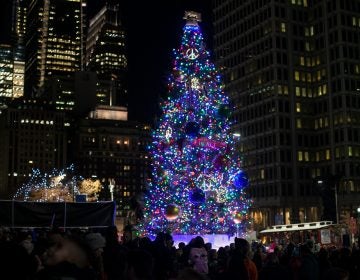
{"x":56,"y":214}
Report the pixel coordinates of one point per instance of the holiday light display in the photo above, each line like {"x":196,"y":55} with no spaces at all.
{"x":59,"y":185}
{"x":197,"y":186}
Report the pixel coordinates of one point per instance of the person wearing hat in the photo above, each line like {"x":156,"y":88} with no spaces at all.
{"x":97,"y":243}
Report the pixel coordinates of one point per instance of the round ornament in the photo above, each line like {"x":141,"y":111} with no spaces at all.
{"x":172,"y":211}
{"x":197,"y":196}
{"x":224,"y":111}
{"x":221,"y":217}
{"x":219,"y":162}
{"x":238,"y":218}
{"x":192,"y":129}
{"x":241,"y":179}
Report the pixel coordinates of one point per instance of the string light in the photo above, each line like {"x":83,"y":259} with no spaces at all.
{"x":59,"y":185}
{"x":196,"y":186}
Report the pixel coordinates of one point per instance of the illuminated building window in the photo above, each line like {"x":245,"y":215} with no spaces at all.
{"x":298,"y":123}
{"x":326,"y":122}
{"x":298,"y":107}
{"x":297,"y":91}
{"x":279,"y":89}
{"x":317,"y":156}
{"x":302,"y":60}
{"x":319,"y":91}
{"x":327,"y":154}
{"x":262,"y":174}
{"x":303,"y":92}
{"x":297,"y":76}
{"x":300,"y":156}
{"x":306,"y":156}
{"x":283,"y":27}
{"x":324,"y":89}
{"x":286,"y":90}
{"x":350,"y":151}
{"x":318,"y":75}
{"x":318,"y":60}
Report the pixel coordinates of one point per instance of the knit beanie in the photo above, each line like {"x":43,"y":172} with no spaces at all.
{"x":95,"y":240}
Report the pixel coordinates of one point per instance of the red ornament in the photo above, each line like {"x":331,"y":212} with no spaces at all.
{"x":172,"y":211}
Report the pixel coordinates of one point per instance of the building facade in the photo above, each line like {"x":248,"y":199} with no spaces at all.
{"x":11,"y":74}
{"x":6,"y":72}
{"x":32,"y":135}
{"x":54,"y":41}
{"x":291,"y":69}
{"x":106,"y":51}
{"x":18,"y":37}
{"x":109,"y":147}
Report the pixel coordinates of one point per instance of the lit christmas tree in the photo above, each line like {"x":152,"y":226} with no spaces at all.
{"x":197,"y":186}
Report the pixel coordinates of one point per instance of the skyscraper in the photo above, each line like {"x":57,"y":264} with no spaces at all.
{"x":12,"y":60}
{"x":6,"y":72}
{"x":106,"y":51}
{"x":18,"y":35}
{"x":292,"y":71}
{"x":32,"y":135}
{"x":54,"y":41}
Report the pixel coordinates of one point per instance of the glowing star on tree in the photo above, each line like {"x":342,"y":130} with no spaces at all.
{"x":197,"y":186}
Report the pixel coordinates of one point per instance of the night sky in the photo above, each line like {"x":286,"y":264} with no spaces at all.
{"x":154,"y":29}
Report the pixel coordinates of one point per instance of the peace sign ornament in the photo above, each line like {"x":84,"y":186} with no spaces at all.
{"x":192,"y":53}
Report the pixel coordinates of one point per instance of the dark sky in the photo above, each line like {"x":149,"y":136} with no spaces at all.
{"x":154,"y":29}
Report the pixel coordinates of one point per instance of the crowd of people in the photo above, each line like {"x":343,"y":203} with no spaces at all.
{"x":101,"y":255}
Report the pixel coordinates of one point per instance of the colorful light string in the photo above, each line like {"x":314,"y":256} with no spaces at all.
{"x":197,"y":185}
